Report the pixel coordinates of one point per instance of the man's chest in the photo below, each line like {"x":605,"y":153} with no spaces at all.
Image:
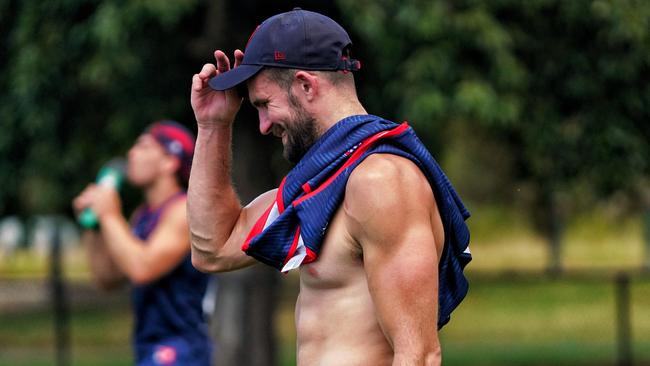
{"x":340,"y":260}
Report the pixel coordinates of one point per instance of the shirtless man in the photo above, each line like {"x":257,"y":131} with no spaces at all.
{"x":369,"y":292}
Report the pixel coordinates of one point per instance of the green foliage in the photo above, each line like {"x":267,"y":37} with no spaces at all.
{"x":564,"y":85}
{"x":79,"y":80}
{"x":559,"y":87}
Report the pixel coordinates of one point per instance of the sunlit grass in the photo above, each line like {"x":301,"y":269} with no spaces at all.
{"x":26,"y":264}
{"x":600,"y":240}
{"x":503,"y":239}
{"x":23,"y":264}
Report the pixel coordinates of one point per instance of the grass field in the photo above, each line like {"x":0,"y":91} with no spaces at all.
{"x":525,"y":322}
{"x":505,"y":320}
{"x":544,"y":322}
{"x":99,"y":336}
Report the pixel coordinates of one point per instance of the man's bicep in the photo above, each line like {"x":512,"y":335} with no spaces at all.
{"x":391,"y":218}
{"x":402,"y":279}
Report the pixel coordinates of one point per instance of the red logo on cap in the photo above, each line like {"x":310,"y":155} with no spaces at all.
{"x":277,"y":55}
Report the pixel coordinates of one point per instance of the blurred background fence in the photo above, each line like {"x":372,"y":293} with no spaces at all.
{"x":537,"y":110}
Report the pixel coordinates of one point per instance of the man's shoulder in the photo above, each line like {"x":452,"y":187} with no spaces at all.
{"x":383,"y":181}
{"x":385,"y":171}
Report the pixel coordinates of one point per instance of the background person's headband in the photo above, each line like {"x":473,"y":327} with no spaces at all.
{"x":177,"y":140}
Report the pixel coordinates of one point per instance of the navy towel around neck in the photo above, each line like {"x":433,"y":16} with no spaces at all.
{"x":291,"y":230}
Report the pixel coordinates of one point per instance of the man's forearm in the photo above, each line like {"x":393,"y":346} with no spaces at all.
{"x":213,"y":206}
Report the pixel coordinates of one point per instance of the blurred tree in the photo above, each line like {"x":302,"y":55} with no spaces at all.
{"x":80,"y":79}
{"x":563,"y":85}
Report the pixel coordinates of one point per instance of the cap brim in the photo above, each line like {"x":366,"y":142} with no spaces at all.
{"x":234,"y":77}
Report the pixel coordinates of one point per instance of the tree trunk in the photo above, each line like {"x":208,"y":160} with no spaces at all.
{"x":552,"y":223}
{"x":644,"y":190}
{"x":242,"y":322}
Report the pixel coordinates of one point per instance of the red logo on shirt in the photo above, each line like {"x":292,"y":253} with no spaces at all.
{"x":164,"y":355}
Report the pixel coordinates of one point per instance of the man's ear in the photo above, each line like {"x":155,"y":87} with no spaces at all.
{"x":307,"y":84}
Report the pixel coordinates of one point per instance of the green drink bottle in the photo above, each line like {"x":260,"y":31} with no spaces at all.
{"x":111,"y":175}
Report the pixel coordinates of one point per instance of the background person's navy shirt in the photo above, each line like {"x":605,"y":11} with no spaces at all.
{"x":170,"y":328}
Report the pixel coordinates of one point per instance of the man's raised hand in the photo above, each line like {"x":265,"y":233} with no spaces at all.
{"x":213,"y":108}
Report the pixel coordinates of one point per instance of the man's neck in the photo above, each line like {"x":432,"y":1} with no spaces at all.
{"x":160,"y":191}
{"x":334,"y":112}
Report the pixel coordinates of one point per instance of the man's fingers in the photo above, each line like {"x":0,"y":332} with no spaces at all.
{"x":200,"y":80}
{"x":197,"y":83}
{"x":239,"y":57}
{"x":218,"y":54}
{"x":208,"y":71}
{"x":223,"y":63}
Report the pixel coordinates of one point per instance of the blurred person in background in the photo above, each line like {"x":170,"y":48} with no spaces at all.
{"x":366,"y":214}
{"x":152,"y":251}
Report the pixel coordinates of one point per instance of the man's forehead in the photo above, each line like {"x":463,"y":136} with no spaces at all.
{"x":260,"y":85}
{"x":258,"y":78}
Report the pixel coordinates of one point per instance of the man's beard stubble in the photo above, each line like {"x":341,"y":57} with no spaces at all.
{"x":301,"y":130}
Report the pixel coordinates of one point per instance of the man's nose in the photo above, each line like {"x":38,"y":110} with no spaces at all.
{"x":265,"y":124}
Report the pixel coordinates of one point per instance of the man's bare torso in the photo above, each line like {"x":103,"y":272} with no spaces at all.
{"x":335,"y":317}
{"x":335,"y":320}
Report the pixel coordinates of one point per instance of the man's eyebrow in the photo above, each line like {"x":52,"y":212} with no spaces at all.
{"x":256,"y":102}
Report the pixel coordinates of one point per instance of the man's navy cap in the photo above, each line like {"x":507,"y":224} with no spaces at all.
{"x":298,"y":39}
